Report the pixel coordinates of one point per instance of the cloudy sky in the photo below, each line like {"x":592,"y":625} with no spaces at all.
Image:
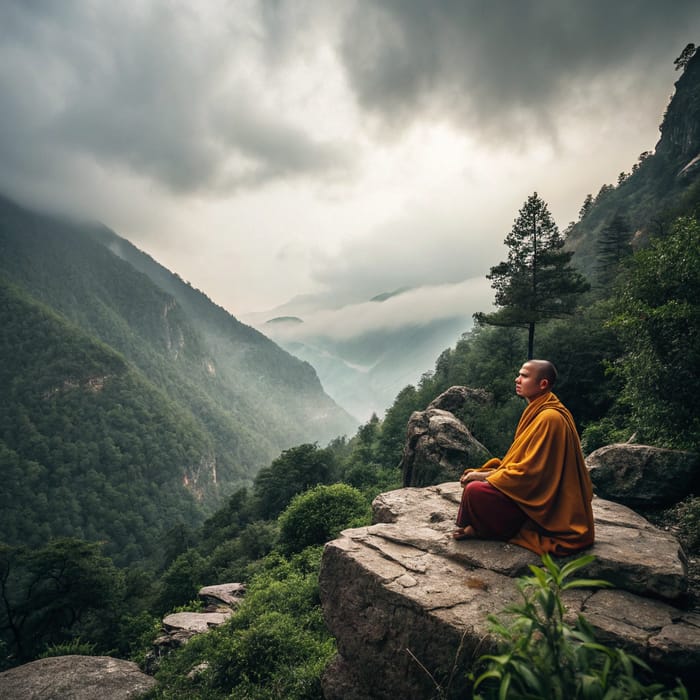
{"x":265,"y":149}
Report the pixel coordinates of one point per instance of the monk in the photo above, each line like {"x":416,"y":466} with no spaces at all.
{"x":539,"y":495}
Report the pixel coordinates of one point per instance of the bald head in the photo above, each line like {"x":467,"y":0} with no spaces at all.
{"x":535,"y":378}
{"x":544,"y":369}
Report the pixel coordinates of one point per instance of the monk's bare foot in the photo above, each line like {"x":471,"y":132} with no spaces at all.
{"x":464,"y":533}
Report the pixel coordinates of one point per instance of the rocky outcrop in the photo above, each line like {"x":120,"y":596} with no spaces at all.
{"x":643,"y":476}
{"x":75,"y":678}
{"x":178,"y":628}
{"x":438,"y":445}
{"x":408,"y":605}
{"x":230,"y":594}
{"x":680,"y":130}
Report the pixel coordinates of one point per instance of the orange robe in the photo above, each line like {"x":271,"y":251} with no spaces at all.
{"x":544,"y":473}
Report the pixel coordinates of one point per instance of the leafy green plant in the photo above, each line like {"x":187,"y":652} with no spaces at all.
{"x":545,"y":657}
{"x":74,"y":647}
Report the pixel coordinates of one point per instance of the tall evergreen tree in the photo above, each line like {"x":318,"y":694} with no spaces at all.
{"x":537,"y":282}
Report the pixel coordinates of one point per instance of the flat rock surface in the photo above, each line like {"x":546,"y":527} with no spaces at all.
{"x":195,"y":622}
{"x":403,"y":598}
{"x":75,"y":678}
{"x":629,"y":551}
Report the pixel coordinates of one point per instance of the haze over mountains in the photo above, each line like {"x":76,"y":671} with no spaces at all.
{"x":366,"y":350}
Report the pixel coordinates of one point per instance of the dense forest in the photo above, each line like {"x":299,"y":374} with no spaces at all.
{"x":131,"y":402}
{"x":627,"y":354}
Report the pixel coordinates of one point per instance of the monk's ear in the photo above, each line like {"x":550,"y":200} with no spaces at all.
{"x":544,"y":384}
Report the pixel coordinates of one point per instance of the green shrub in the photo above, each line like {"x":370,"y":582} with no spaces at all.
{"x":74,"y":647}
{"x":544,"y":657}
{"x":273,"y":657}
{"x":275,"y":646}
{"x":319,"y":515}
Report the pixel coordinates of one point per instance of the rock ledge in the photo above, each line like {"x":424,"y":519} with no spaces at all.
{"x":404,"y":600}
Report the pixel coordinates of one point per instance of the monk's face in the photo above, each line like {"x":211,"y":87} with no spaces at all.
{"x":528,"y":384}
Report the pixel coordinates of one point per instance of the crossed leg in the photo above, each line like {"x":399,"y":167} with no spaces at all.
{"x":487,"y":513}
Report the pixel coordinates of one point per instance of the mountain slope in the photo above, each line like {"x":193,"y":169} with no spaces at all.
{"x":364,"y":372}
{"x":237,"y":398}
{"x":88,"y":446}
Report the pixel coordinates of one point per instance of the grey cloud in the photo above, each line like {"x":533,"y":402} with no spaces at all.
{"x":268,"y":148}
{"x":405,"y":252}
{"x":504,"y":64}
{"x":142,"y":87}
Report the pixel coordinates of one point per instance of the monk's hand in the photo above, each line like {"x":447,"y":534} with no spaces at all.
{"x":475,"y":475}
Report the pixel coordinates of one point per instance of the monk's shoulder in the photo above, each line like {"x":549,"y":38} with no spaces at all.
{"x":552,"y":417}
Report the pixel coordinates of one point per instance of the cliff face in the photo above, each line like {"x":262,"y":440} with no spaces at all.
{"x":408,"y":605}
{"x":660,"y":187}
{"x":680,"y":130}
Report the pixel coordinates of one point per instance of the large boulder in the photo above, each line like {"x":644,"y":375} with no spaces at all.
{"x":75,"y":678}
{"x":438,"y":445}
{"x":643,"y":476}
{"x":408,"y":604}
{"x":456,"y":398}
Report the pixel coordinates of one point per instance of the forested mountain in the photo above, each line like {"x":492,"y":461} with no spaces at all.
{"x":128,"y":396}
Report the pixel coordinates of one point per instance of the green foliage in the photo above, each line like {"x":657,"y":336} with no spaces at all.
{"x":294,"y":471}
{"x":136,"y":633}
{"x":613,"y":247}
{"x":74,"y":647}
{"x":657,"y":315}
{"x":319,"y":515}
{"x":545,"y":657}
{"x":685,"y":519}
{"x":582,"y":348}
{"x":83,"y":432}
{"x":275,"y":645}
{"x":182,"y":580}
{"x":537,"y":282}
{"x":52,"y":595}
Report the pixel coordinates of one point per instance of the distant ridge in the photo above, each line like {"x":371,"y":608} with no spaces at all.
{"x":285,"y":319}
{"x":388,"y":295}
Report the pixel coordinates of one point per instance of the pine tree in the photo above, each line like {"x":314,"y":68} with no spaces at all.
{"x":537,"y":282}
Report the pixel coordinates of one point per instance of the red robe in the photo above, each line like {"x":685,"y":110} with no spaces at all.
{"x":544,"y":473}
